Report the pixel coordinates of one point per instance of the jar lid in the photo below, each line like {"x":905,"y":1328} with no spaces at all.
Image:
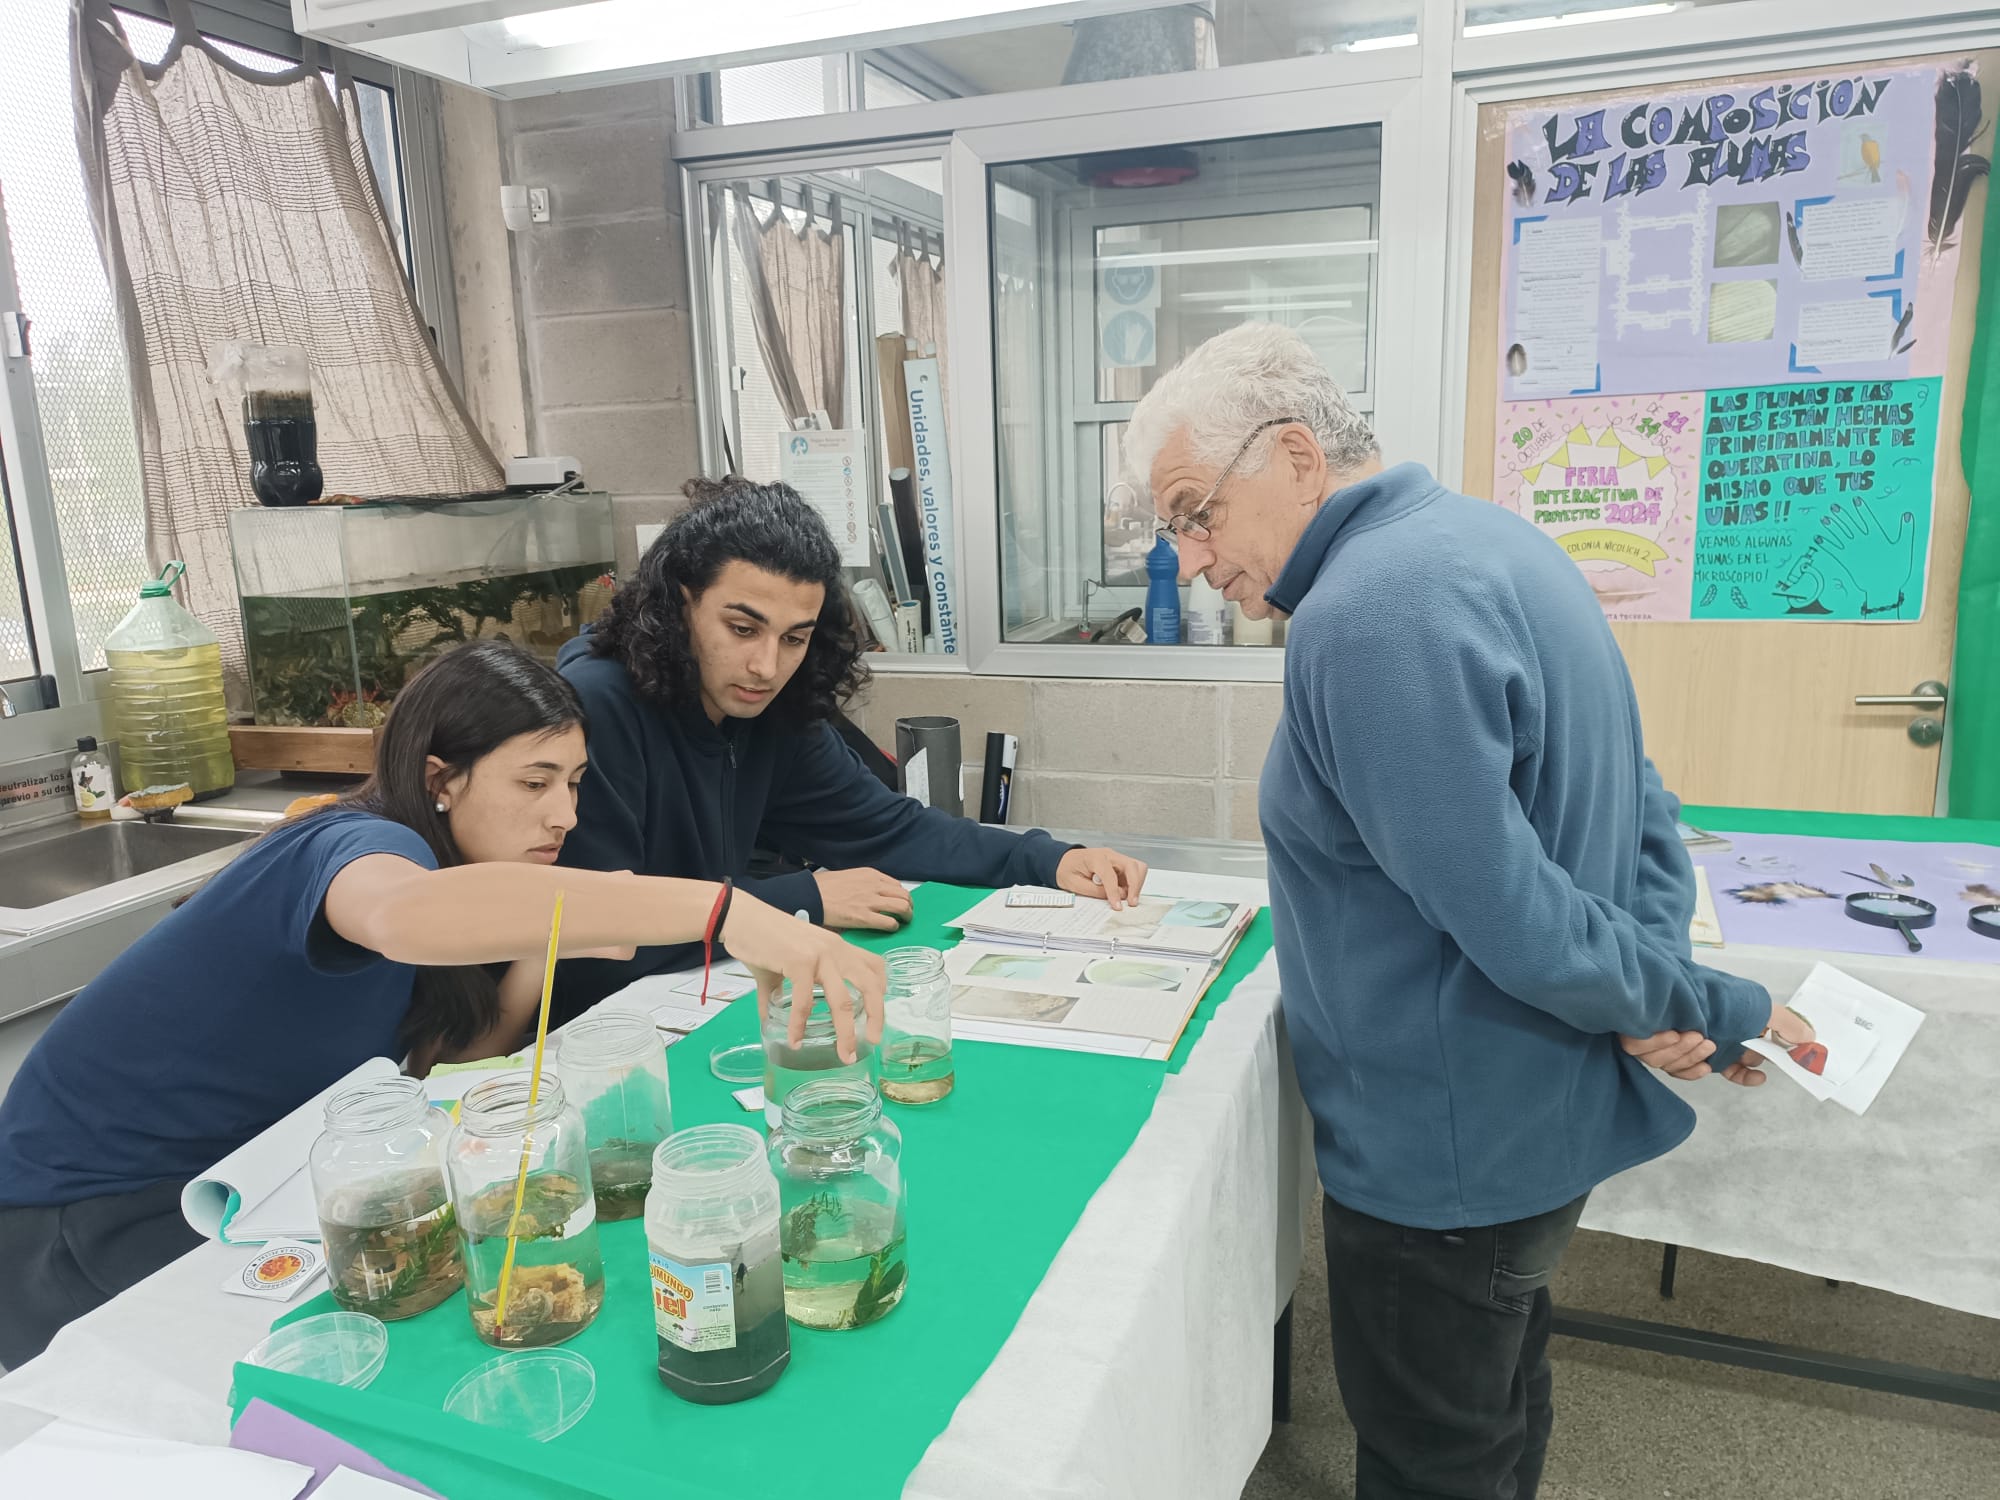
{"x":161,"y":587}
{"x":88,"y":742}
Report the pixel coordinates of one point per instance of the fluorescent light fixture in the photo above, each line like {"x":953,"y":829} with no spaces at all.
{"x":1285,"y":307}
{"x":1572,"y":18}
{"x":1383,"y":43}
{"x":769,"y":29}
{"x":1237,"y":293}
{"x":1237,"y":255}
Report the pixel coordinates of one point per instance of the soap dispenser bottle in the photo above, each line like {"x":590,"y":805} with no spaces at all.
{"x":90,"y":776}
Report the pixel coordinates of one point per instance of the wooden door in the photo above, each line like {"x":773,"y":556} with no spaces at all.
{"x":1762,"y":713}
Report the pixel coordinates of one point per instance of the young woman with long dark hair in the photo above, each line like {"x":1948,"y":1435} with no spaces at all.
{"x":710,"y":684}
{"x":409,"y":919}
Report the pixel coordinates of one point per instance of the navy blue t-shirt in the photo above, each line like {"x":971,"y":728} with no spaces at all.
{"x":216,"y":1024}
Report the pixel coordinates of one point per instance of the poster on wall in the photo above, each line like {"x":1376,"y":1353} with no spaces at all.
{"x":1761,"y":503}
{"x":825,"y":468}
{"x":1724,"y":318}
{"x":1612,"y":478}
{"x":1725,"y":235}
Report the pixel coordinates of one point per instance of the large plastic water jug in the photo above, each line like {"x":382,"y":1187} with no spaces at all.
{"x":167,"y":709}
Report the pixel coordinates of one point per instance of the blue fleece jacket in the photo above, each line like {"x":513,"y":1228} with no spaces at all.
{"x":669,"y":793}
{"x":1475,"y":874}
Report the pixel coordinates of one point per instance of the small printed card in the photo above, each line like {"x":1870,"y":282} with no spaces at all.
{"x":751,"y":1098}
{"x":1859,"y":1035}
{"x":279,"y":1270}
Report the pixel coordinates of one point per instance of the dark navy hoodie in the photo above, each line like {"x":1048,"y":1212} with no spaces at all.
{"x":669,"y":793}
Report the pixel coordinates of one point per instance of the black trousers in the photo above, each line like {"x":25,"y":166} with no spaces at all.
{"x":58,"y":1263}
{"x":1440,"y":1344}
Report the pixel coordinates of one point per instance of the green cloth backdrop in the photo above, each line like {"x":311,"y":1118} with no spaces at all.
{"x":1975,"y":675}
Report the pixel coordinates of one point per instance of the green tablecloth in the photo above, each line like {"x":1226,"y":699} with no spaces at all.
{"x":1843,"y":825}
{"x":998,"y":1173}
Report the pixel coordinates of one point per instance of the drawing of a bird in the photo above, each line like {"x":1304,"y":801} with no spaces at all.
{"x":1871,"y":157}
{"x":1792,"y":235}
{"x":1524,"y":182}
{"x":1896,"y":344}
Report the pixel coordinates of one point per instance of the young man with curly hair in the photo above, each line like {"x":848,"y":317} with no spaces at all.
{"x":710,"y":683}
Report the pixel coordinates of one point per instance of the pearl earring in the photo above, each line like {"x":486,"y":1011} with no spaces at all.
{"x":440,"y":805}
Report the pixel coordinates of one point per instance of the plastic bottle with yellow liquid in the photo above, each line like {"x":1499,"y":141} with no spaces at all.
{"x":167,"y":709}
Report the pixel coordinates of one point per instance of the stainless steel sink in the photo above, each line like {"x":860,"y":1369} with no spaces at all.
{"x":45,"y":865}
{"x":51,"y":863}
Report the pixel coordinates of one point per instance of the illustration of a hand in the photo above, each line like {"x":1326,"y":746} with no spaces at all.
{"x":1876,"y":562}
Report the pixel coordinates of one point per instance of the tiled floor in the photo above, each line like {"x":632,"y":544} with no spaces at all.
{"x":1633,"y":1426}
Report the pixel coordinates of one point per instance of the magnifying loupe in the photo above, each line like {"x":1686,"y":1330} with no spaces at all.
{"x":1984,"y":920}
{"x":1886,"y":909}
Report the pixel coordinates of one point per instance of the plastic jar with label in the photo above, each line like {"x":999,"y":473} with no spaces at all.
{"x":557,"y":1283}
{"x":718,"y":1287}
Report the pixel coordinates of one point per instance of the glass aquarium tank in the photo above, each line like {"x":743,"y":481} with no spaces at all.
{"x":342,"y":603}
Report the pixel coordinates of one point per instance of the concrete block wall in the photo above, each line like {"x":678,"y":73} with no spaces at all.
{"x":1114,"y":756}
{"x":605,"y":361}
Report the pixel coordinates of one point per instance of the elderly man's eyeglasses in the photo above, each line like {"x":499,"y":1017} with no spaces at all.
{"x":1193,"y":524}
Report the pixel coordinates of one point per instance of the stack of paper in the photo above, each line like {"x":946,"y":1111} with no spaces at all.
{"x":1140,"y":997}
{"x":260,"y":1190}
{"x":1859,"y":1035}
{"x":1183,"y":927}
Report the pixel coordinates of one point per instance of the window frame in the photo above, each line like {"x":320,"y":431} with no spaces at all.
{"x":1401,"y":367}
{"x":1426,"y":99}
{"x":39,"y":727}
{"x":710,"y":315}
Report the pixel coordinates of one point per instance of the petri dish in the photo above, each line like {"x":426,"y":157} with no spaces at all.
{"x":1984,"y":920}
{"x":341,"y":1348}
{"x":533,"y":1393}
{"x":738,"y":1063}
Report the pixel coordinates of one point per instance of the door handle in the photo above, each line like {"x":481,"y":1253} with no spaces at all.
{"x":1929,"y":695}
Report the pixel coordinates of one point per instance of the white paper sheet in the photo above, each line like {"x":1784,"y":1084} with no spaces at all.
{"x":826,"y":469}
{"x":728,"y":982}
{"x":1705,"y":930}
{"x":1186,"y":922}
{"x":1557,"y":266}
{"x":1860,"y":1034}
{"x":1851,"y":237}
{"x":65,"y":1459}
{"x":267,"y":1173}
{"x":1844,"y":333}
{"x":350,"y":1484}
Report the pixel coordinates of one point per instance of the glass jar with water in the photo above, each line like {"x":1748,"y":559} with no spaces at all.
{"x":385,"y":1214}
{"x":557,"y":1283}
{"x":916,"y":1066}
{"x":614,"y":1070}
{"x":840,"y":1185}
{"x":718,"y":1289}
{"x":817,"y":1056}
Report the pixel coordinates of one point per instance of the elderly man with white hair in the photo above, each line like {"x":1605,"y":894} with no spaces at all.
{"x":1482,"y":903}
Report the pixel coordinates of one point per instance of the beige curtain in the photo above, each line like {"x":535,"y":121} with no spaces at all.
{"x":239,"y":206}
{"x":798,"y":301}
{"x":920,"y":285}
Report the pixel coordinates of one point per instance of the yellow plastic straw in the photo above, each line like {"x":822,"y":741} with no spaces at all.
{"x":534,"y":1093}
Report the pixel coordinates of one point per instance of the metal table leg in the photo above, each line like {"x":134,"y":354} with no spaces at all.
{"x":1281,"y":1367}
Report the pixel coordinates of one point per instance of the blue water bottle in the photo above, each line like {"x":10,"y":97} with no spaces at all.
{"x":1163,"y":595}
